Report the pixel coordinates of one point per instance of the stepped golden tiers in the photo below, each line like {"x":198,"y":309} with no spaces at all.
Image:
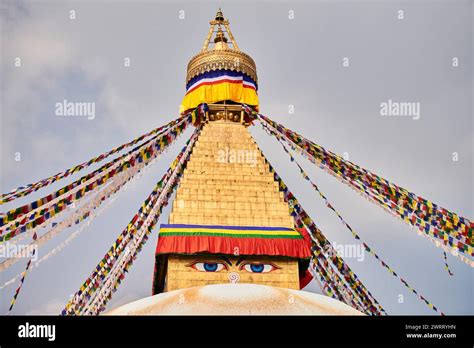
{"x":229,"y":219}
{"x":227,"y":182}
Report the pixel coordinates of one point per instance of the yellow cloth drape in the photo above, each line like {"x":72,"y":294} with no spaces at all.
{"x":218,"y":92}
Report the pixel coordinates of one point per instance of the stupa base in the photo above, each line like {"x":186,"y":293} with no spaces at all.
{"x":235,"y":299}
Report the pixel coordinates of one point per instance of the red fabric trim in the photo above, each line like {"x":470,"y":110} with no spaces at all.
{"x":297,"y":248}
{"x":247,"y":86}
{"x":306,"y":279}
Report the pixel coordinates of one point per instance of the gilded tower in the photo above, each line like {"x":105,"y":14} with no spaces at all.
{"x":229,"y":221}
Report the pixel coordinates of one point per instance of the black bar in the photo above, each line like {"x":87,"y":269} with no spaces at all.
{"x":240,"y":330}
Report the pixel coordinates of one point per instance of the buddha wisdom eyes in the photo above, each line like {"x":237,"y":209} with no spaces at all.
{"x":215,"y":266}
{"x":258,"y":267}
{"x":209,"y":266}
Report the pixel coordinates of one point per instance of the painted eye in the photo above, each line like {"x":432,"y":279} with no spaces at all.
{"x":259,"y":267}
{"x":208,"y":266}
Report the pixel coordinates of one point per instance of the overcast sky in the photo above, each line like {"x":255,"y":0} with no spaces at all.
{"x":299,"y":49}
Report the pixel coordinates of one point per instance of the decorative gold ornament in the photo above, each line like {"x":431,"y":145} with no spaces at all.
{"x":221,"y":56}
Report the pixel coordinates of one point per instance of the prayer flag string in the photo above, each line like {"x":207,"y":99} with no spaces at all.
{"x":108,"y":274}
{"x":324,"y":251}
{"x":23,"y":276}
{"x":354,"y":234}
{"x":35,"y":214}
{"x":431,"y":219}
{"x":27,"y":189}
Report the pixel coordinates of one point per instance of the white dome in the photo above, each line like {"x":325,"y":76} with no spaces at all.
{"x":235,"y":299}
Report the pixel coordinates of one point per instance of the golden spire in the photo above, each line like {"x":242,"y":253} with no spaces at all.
{"x":219,"y":15}
{"x":219,"y":21}
{"x":220,"y":55}
{"x":220,"y":40}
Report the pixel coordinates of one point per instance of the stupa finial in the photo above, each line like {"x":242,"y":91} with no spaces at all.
{"x":219,"y":15}
{"x":220,"y":21}
{"x":221,"y":56}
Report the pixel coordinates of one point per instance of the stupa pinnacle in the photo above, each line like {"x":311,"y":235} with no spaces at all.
{"x":220,"y":73}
